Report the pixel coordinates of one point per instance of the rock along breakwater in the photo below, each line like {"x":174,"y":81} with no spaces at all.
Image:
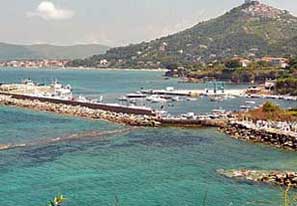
{"x":279,"y":139}
{"x":80,"y":111}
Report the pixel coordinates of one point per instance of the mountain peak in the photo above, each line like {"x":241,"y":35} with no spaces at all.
{"x":252,"y":29}
{"x":257,"y":9}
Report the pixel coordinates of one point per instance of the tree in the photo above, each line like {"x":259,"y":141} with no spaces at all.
{"x":233,"y":63}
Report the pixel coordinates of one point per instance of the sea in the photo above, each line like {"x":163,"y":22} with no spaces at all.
{"x":97,"y":163}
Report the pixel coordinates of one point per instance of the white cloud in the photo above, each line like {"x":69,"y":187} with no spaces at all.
{"x":48,"y":11}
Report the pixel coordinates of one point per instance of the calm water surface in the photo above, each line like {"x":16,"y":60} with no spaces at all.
{"x":148,"y":167}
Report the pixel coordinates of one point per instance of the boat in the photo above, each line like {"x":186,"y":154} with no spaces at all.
{"x":245,"y":107}
{"x":250,"y":102}
{"x":82,"y":99}
{"x":191,"y":99}
{"x":132,"y":101}
{"x":96,"y":101}
{"x":28,"y":82}
{"x":123,"y":99}
{"x":135,"y":95}
{"x":190,"y":115}
{"x":156,"y":99}
{"x":176,"y":99}
{"x":216,"y":98}
{"x":220,"y":111}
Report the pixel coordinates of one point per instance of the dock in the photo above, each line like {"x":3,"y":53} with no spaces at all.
{"x":194,"y":92}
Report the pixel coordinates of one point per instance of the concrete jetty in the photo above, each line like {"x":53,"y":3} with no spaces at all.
{"x":194,"y":92}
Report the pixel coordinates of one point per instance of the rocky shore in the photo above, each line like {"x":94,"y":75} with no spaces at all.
{"x":281,"y":178}
{"x":79,"y":111}
{"x":271,"y":137}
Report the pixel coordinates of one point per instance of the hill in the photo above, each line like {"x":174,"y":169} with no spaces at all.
{"x":44,"y":51}
{"x":252,"y":29}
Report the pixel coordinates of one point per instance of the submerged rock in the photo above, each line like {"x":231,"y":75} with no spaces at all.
{"x":282,"y":178}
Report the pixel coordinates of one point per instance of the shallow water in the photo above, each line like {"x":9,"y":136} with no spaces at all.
{"x":148,"y":167}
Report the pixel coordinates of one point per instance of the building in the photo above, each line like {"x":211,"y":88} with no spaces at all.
{"x":276,"y":61}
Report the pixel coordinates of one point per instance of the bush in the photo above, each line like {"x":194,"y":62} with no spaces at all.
{"x":270,"y":107}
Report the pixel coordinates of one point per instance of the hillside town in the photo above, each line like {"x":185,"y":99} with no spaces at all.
{"x":34,"y":63}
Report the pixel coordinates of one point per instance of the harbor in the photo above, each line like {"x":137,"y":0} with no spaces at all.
{"x":58,"y":98}
{"x":41,"y":134}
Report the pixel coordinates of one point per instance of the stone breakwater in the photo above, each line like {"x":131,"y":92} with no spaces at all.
{"x":271,"y":137}
{"x":79,"y":111}
{"x":282,"y":178}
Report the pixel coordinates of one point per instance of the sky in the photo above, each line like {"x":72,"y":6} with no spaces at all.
{"x":108,"y":22}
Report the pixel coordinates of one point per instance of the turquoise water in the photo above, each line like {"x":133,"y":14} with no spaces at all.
{"x":149,"y":167}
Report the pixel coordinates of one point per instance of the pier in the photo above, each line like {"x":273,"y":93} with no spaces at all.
{"x":195,"y":92}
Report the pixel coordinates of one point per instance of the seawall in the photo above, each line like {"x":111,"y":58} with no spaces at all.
{"x":273,"y":138}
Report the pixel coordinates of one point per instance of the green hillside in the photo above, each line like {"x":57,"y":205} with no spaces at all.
{"x":252,"y":29}
{"x":44,"y":51}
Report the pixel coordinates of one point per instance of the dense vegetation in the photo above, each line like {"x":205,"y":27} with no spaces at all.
{"x":15,"y":52}
{"x":253,"y":73}
{"x":235,"y":33}
{"x":287,"y":83}
{"x":271,"y":111}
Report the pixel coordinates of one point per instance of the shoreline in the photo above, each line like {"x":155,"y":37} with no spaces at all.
{"x":86,"y":69}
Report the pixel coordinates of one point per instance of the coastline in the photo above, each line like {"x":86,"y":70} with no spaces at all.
{"x":87,"y":69}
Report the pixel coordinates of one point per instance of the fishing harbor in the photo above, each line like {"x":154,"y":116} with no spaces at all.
{"x":58,"y":98}
{"x":132,"y":109}
{"x":160,"y":144}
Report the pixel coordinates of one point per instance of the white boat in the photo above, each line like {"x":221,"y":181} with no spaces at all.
{"x":123,"y":99}
{"x":190,"y":115}
{"x":220,"y":111}
{"x":96,"y":101}
{"x":82,"y":99}
{"x":156,"y":99}
{"x":28,"y":82}
{"x":216,"y":98}
{"x":61,"y":90}
{"x":245,"y":107}
{"x":176,"y":99}
{"x":191,"y":99}
{"x":250,"y":102}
